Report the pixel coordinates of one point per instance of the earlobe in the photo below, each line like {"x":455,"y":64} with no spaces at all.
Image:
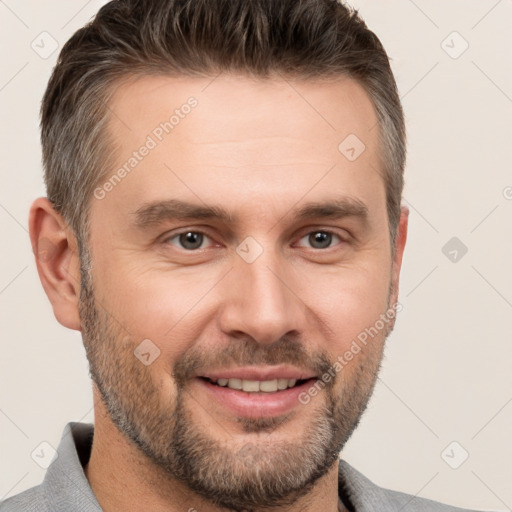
{"x":54,"y":246}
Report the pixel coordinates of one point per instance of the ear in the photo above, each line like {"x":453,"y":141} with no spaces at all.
{"x":400,"y":239}
{"x":54,"y":246}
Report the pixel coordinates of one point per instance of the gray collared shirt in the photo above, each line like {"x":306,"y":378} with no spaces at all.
{"x":65,"y":487}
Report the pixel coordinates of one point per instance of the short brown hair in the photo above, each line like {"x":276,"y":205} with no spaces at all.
{"x":304,"y":39}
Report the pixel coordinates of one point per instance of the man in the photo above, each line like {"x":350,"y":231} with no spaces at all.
{"x":223,"y":224}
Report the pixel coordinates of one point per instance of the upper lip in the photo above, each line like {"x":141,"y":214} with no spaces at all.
{"x":260,"y":373}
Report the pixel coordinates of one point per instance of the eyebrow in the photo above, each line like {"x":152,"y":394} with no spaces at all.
{"x":173,"y":209}
{"x":157,"y":212}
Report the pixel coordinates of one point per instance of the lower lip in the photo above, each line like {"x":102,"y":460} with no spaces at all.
{"x":255,"y":405}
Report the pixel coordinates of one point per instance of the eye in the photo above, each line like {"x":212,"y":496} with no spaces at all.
{"x":189,"y":240}
{"x":320,"y":239}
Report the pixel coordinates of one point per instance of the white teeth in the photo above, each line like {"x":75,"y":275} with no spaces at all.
{"x":254,"y":386}
{"x":282,"y":383}
{"x":268,"y":385}
{"x":235,"y":383}
{"x":250,"y":385}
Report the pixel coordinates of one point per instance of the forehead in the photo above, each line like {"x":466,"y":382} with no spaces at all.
{"x":238,"y":107}
{"x":220,"y":138}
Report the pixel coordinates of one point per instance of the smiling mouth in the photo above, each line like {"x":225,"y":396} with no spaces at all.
{"x":257,"y":386}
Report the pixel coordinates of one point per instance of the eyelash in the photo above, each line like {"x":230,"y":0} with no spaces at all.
{"x":199,"y":232}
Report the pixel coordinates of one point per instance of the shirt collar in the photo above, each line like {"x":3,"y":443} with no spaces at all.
{"x":65,"y":486}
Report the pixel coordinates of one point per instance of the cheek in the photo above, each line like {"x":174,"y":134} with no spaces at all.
{"x":173,"y":307}
{"x":155,"y":304}
{"x":348,"y":301}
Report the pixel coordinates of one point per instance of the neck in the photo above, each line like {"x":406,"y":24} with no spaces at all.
{"x":123,"y":478}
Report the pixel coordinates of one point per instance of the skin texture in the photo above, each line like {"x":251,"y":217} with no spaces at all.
{"x":261,"y":149}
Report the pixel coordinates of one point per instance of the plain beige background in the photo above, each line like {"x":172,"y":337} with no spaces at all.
{"x":445,"y":391}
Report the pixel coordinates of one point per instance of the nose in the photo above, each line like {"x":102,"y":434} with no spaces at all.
{"x":261,"y":301}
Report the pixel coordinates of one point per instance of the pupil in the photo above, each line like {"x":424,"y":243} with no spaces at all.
{"x":320,"y":239}
{"x":191,"y":240}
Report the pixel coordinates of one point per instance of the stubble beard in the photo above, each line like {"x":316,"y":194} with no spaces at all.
{"x":262,"y":472}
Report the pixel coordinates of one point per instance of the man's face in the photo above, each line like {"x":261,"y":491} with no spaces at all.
{"x":276,"y":289}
